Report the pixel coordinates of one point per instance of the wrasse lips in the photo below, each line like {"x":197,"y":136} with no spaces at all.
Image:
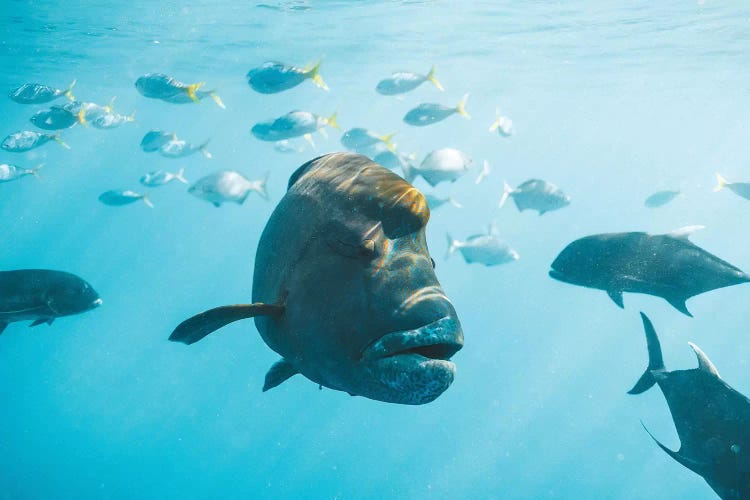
{"x":438,"y":340}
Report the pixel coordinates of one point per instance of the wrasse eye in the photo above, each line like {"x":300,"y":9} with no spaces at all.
{"x":366,"y":249}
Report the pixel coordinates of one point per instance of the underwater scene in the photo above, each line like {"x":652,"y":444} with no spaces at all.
{"x":374,"y":249}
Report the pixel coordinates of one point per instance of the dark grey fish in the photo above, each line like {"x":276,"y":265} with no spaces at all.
{"x":55,"y":118}
{"x":664,"y":265}
{"x":344,"y":287}
{"x":741,"y":189}
{"x":712,"y":419}
{"x":486,"y":249}
{"x":155,"y":139}
{"x":291,"y":125}
{"x":273,"y":77}
{"x":403,"y":81}
{"x":41,"y":296}
{"x":660,"y":198}
{"x":169,"y":89}
{"x":119,"y":197}
{"x":535,"y":194}
{"x":26,"y":140}
{"x":36,"y":93}
{"x":429,"y":113}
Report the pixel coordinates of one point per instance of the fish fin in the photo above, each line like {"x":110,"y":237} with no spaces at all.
{"x":332,"y":122}
{"x":110,"y":105}
{"x":685,"y":232}
{"x":217,"y":99}
{"x":204,"y":151}
{"x":409,"y":170}
{"x":454,"y":202}
{"x":35,"y":171}
{"x":69,"y":90}
{"x":431,"y":78}
{"x":193,"y":329}
{"x":679,"y":304}
{"x":81,"y":117}
{"x":57,"y":139}
{"x":507,"y":190}
{"x":721,"y":182}
{"x":314,"y":75}
{"x":191,"y":89}
{"x":452,"y":246}
{"x":461,"y":109}
{"x":323,"y":133}
{"x":387,"y":141}
{"x":147,"y":201}
{"x":496,"y":124}
{"x":484,"y":172}
{"x":704,"y":363}
{"x":3,"y":326}
{"x":131,"y":117}
{"x":260,"y":187}
{"x":40,"y":321}
{"x":616,"y":297}
{"x":695,"y":466}
{"x":655,"y":360}
{"x":180,"y":176}
{"x":279,"y":372}
{"x":308,"y":138}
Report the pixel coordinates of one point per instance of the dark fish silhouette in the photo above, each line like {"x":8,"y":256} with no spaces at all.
{"x":664,"y":265}
{"x":660,"y":198}
{"x":344,"y":287}
{"x":711,"y":418}
{"x":41,"y":296}
{"x":55,"y":118}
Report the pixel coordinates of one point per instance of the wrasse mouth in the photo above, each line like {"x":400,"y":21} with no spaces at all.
{"x":557,"y":275}
{"x":438,"y":340}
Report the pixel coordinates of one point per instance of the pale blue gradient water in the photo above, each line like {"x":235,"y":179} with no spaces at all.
{"x":609,"y":103}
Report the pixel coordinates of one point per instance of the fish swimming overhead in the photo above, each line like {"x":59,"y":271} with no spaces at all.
{"x":741,"y":189}
{"x":486,"y":249}
{"x":227,"y":186}
{"x":273,"y":77}
{"x":36,"y":93}
{"x":660,"y":198}
{"x":26,"y":140}
{"x":155,"y":139}
{"x":161,"y":177}
{"x":712,"y":419}
{"x":177,"y":148}
{"x":55,"y":118}
{"x":403,"y":81}
{"x":120,"y":197}
{"x":344,"y":287}
{"x":11,"y":172}
{"x":166,"y":88}
{"x":429,"y":113}
{"x":665,"y":265}
{"x":291,"y":125}
{"x":360,"y":140}
{"x":41,"y":296}
{"x":440,"y":165}
{"x":535,"y":194}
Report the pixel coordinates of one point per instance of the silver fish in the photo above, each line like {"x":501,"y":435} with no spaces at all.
{"x":11,"y":172}
{"x":402,"y":81}
{"x":176,"y":148}
{"x":503,"y":125}
{"x":535,"y":194}
{"x":741,"y":189}
{"x":155,"y":139}
{"x":429,"y":113}
{"x":116,"y":198}
{"x":27,"y":140}
{"x":227,"y":186}
{"x":291,"y":125}
{"x":360,"y":139}
{"x":161,"y":177}
{"x":36,"y":93}
{"x":486,"y":249}
{"x":169,"y":89}
{"x":273,"y":77}
{"x":446,"y":164}
{"x":286,"y":146}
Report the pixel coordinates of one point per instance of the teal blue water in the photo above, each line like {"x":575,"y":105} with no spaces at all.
{"x":610,"y":103}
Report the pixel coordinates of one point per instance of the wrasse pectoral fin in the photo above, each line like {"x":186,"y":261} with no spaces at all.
{"x":194,"y":329}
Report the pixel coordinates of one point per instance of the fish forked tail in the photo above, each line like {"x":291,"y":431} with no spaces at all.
{"x":130,"y":117}
{"x":147,"y":200}
{"x":309,"y":139}
{"x":217,"y":99}
{"x":452,"y":246}
{"x":721,"y":182}
{"x":69,"y":91}
{"x":431,"y":78}
{"x":35,"y":171}
{"x":314,"y":75}
{"x":81,"y":117}
{"x":332,"y":122}
{"x":192,"y":89}
{"x":180,"y":176}
{"x":387,"y":141}
{"x":205,"y":151}
{"x":260,"y":187}
{"x":461,"y":108}
{"x":507,"y":190}
{"x":58,"y":140}
{"x":655,"y":360}
{"x":497,"y":122}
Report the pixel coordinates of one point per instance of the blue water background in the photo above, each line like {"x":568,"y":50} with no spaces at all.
{"x":611,"y":103}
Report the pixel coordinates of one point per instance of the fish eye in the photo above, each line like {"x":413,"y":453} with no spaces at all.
{"x":366,"y":249}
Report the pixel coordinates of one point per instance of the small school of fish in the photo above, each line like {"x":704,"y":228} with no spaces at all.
{"x":355,"y":233}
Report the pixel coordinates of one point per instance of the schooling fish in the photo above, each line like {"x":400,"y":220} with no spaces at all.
{"x":344,"y":287}
{"x":55,"y":118}
{"x":227,"y":186}
{"x":435,"y":202}
{"x":167,"y":88}
{"x":711,"y":418}
{"x":429,"y":113}
{"x":401,"y":82}
{"x":291,"y":125}
{"x":26,"y":140}
{"x":503,"y":125}
{"x":441,"y":165}
{"x":155,"y":139}
{"x":664,"y":265}
{"x":36,"y":93}
{"x":660,"y":198}
{"x":111,"y":120}
{"x":176,"y":148}
{"x":394,"y":161}
{"x":42,"y":295}
{"x":486,"y":249}
{"x":741,"y":189}
{"x":161,"y":177}
{"x":535,"y":194}
{"x":116,"y":198}
{"x":360,"y":139}
{"x":286,"y":146}
{"x":12,"y":173}
{"x":486,"y":170}
{"x":272,"y":77}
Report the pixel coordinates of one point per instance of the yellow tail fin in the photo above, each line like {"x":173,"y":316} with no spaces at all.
{"x":721,"y":182}
{"x":332,"y":120}
{"x":496,"y":123}
{"x":217,"y":100}
{"x":191,"y":89}
{"x":431,"y":78}
{"x":146,"y":200}
{"x":387,"y":140}
{"x":461,"y":109}
{"x":69,"y":91}
{"x":131,"y":117}
{"x":82,"y":117}
{"x":314,"y":75}
{"x":60,"y":142}
{"x":110,"y":106}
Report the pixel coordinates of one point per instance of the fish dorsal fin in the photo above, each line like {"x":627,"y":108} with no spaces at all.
{"x":616,"y":296}
{"x":279,"y":372}
{"x":704,"y":363}
{"x":695,"y":466}
{"x":492,"y":229}
{"x":193,"y":329}
{"x":685,"y":232}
